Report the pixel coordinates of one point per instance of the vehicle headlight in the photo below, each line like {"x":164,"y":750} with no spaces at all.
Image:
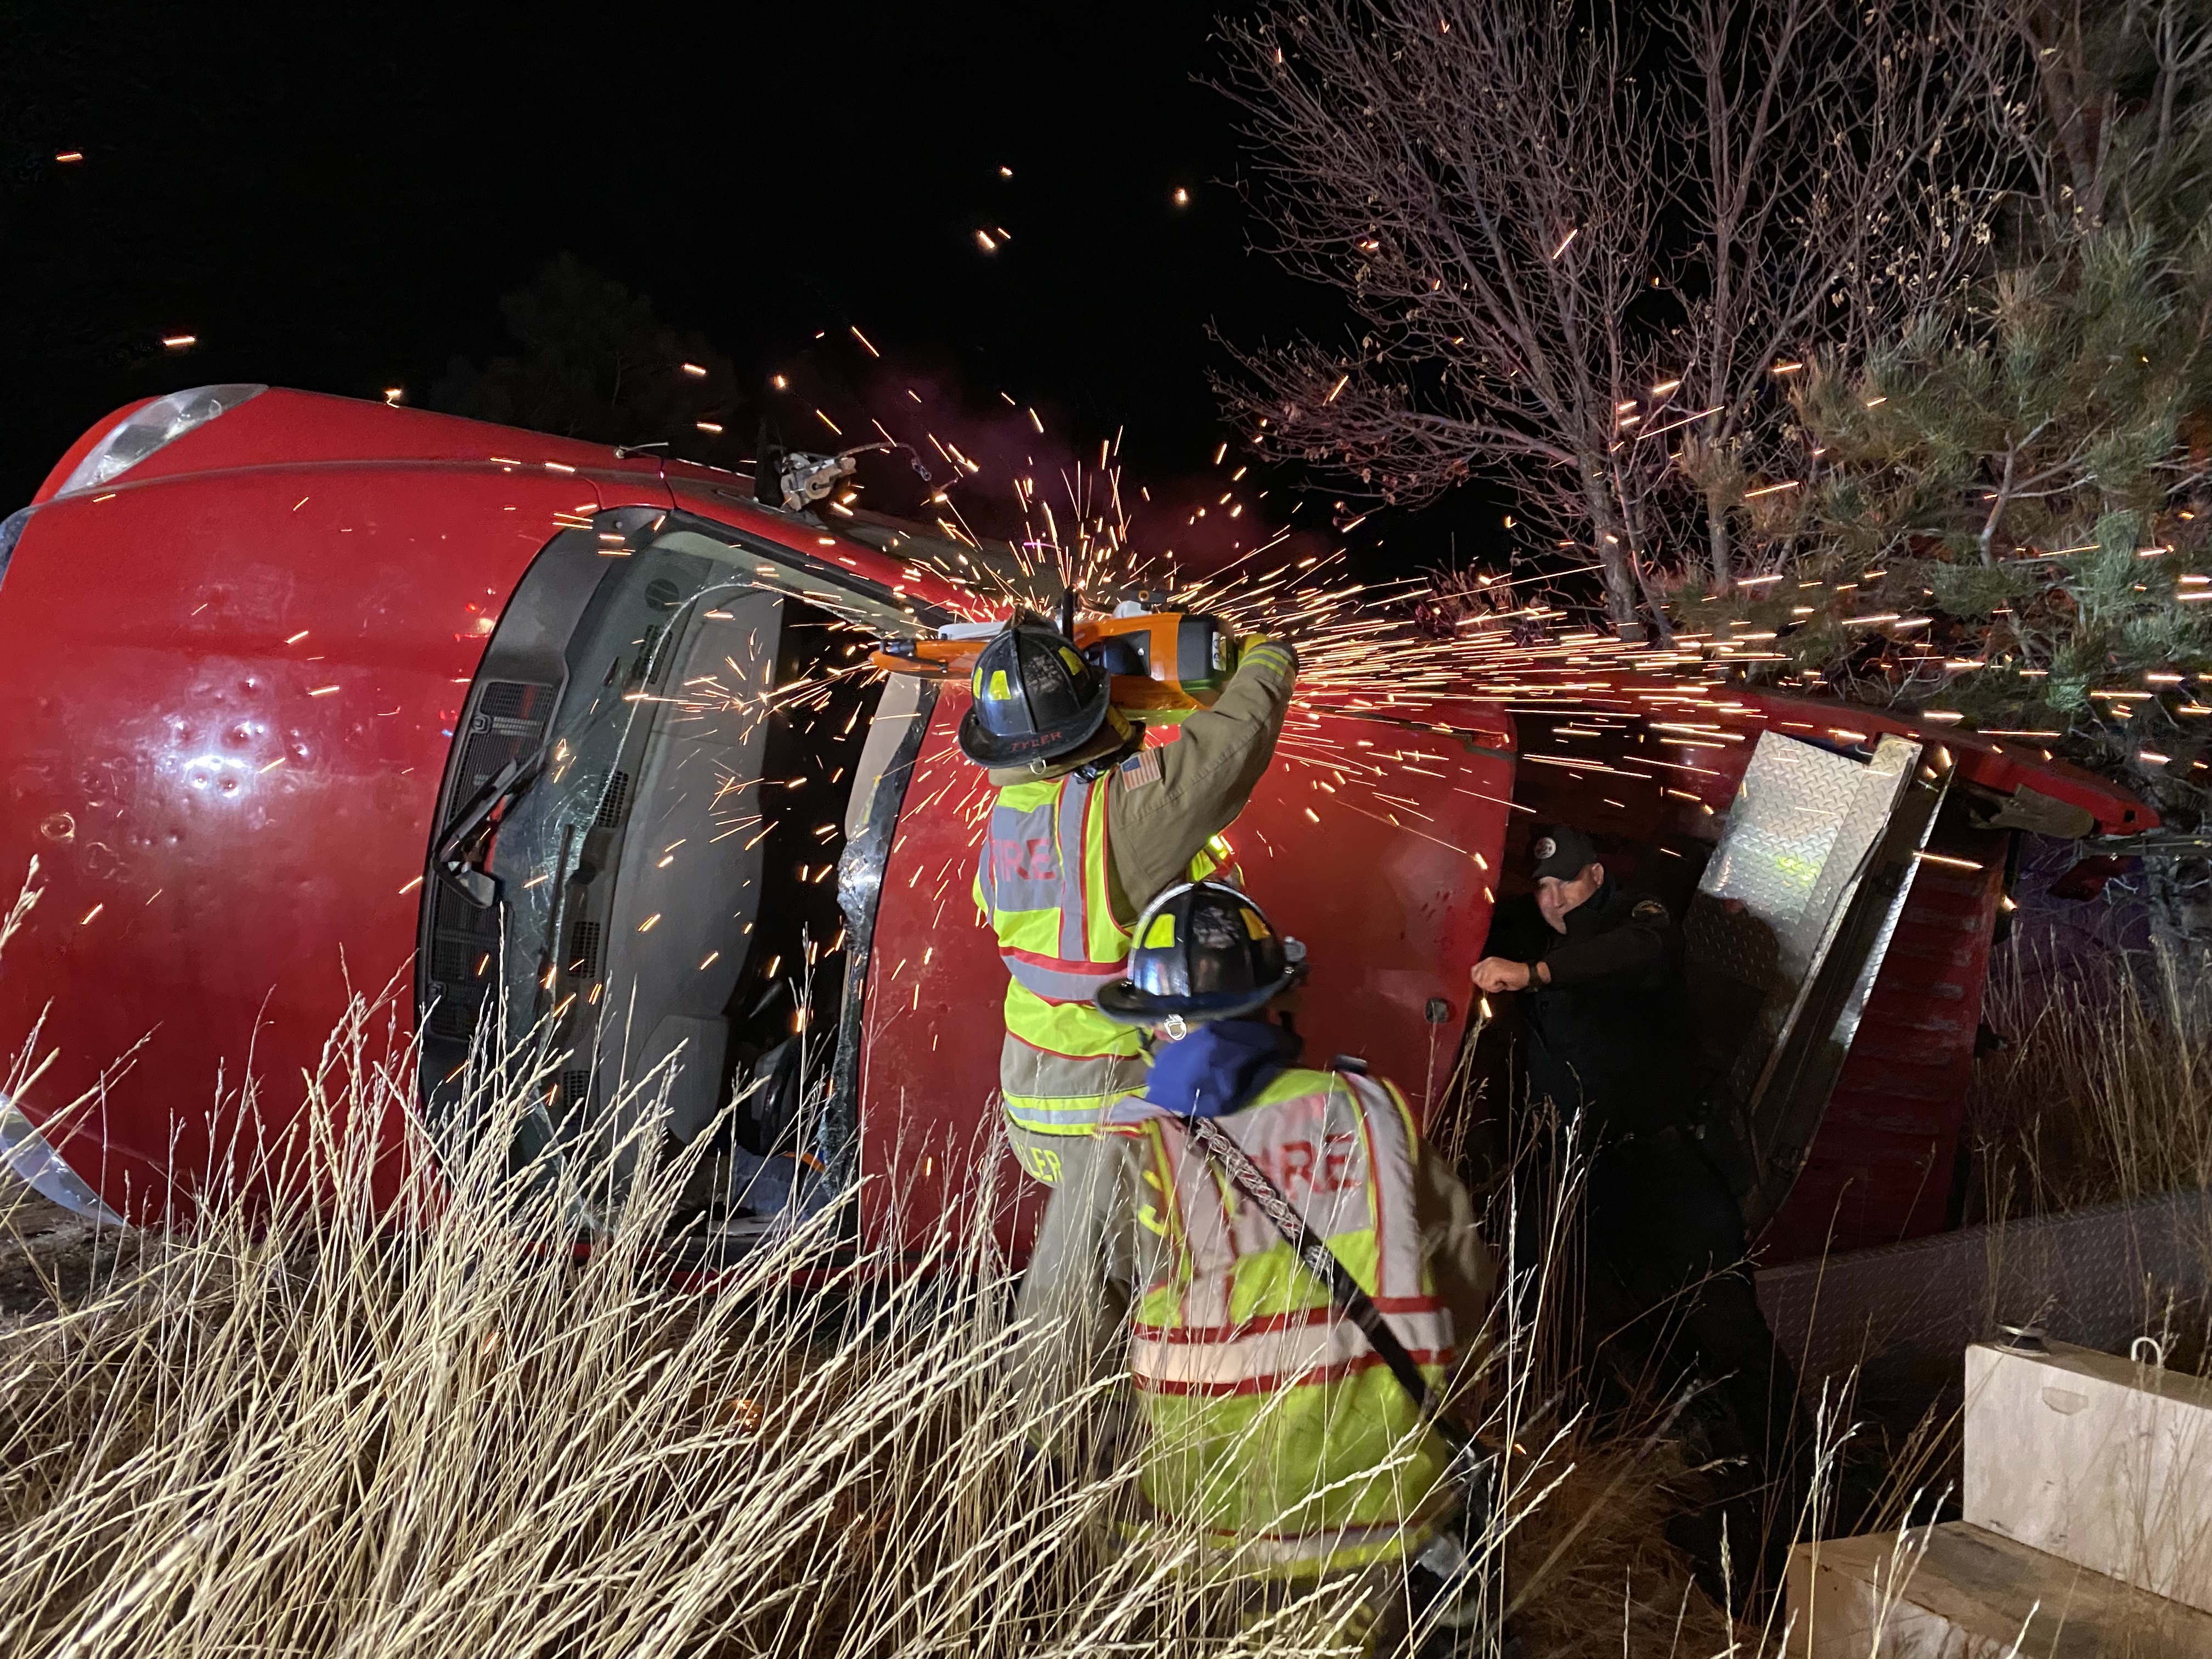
{"x":142,"y":432}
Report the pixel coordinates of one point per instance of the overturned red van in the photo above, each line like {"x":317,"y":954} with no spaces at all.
{"x":313,"y":698}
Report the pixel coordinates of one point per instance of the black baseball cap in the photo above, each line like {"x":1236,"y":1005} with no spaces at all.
{"x":1561,"y":850}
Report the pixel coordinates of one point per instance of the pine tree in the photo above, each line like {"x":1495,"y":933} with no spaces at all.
{"x":2018,"y":481}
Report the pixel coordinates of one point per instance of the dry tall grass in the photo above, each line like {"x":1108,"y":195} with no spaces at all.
{"x":315,"y":1429}
{"x":2104,"y":1094}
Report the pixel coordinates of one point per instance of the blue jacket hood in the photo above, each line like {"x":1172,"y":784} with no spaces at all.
{"x":1219,"y":1066}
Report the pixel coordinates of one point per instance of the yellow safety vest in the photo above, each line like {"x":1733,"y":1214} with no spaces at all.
{"x":1041,"y":881}
{"x":1275,"y":1428}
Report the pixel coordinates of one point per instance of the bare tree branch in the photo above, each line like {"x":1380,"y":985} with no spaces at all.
{"x":1467,"y":175}
{"x":1543,"y":260}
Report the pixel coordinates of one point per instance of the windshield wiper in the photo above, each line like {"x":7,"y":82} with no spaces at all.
{"x":478,"y":885}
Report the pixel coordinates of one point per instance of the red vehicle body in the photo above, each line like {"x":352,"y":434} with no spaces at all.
{"x":304,"y":703}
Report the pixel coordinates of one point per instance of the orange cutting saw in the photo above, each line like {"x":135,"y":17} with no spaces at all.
{"x":1163,"y":664}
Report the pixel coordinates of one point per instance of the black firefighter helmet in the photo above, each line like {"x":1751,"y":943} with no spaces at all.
{"x":1038,"y":698}
{"x":1202,"y":951}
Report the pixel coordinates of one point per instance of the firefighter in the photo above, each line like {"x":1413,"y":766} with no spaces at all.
{"x":1270,"y":1425}
{"x":1088,"y":826}
{"x":1598,"y":971}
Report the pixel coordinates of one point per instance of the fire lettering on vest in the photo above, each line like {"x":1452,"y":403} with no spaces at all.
{"x":1336,"y":1167}
{"x":1338,"y":1164}
{"x":1027,"y":860}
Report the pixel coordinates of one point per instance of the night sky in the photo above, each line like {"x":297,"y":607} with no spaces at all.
{"x":337,"y":201}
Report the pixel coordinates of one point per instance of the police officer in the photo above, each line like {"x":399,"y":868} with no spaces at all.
{"x":1089,"y":826}
{"x":1272,"y":1432}
{"x":1608,"y":1031}
{"x":1598,"y":971}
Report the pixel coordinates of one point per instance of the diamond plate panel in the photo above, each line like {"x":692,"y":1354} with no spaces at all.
{"x":1798,"y":837}
{"x":1734,"y":945}
{"x":1880,"y":783}
{"x":1793,"y":802}
{"x":1901,"y":1315}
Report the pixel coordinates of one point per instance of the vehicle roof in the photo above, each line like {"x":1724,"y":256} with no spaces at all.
{"x":2001,"y":762}
{"x":288,"y":430}
{"x":294,"y":429}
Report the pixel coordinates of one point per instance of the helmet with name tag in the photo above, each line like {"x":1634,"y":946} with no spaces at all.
{"x":1038,"y":698}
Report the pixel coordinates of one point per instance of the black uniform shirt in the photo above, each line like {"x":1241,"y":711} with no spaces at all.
{"x":1610,"y":1036}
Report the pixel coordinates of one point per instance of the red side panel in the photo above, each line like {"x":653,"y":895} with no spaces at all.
{"x":929,"y":1063}
{"x":228,"y":705}
{"x":1374,"y":843}
{"x":1388,"y":877}
{"x":1880,"y":1167}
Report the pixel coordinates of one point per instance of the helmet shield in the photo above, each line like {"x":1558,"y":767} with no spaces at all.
{"x":1036,"y":698}
{"x":1202,"y":951}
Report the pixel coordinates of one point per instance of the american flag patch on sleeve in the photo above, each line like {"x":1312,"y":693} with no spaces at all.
{"x":1141,"y":769}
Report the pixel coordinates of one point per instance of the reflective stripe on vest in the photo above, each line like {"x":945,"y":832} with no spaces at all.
{"x":1035,"y":878}
{"x":1042,"y":881}
{"x":1274,"y":1426}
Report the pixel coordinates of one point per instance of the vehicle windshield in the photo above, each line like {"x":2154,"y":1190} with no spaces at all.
{"x":669,"y":932}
